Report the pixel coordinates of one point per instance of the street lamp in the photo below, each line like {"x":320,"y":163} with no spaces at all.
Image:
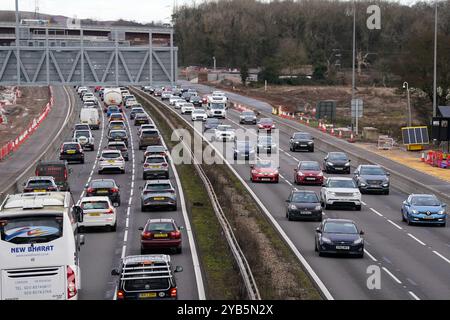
{"x":406,"y":86}
{"x":214,"y":59}
{"x":435,"y":57}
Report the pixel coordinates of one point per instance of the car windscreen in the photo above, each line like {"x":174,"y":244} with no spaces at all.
{"x":121,"y":147}
{"x":199,"y":111}
{"x":51,"y":170}
{"x":425,"y":201}
{"x":102,"y":184}
{"x":137,"y":284}
{"x":311,"y":166}
{"x":340,"y":227}
{"x":264,"y":164}
{"x":155,"y":160}
{"x":92,"y":205}
{"x":39,"y":183}
{"x":37,"y":228}
{"x":150,"y":133}
{"x":137,"y":110}
{"x":372,"y":171}
{"x":79,"y":127}
{"x":116,"y":116}
{"x":156,"y":149}
{"x":118,"y":134}
{"x":302,"y":136}
{"x":337,"y":157}
{"x":212,"y":121}
{"x":266,"y":121}
{"x":113,"y":109}
{"x":217,"y":106}
{"x":341,"y":184}
{"x":248,"y":113}
{"x":110,"y":155}
{"x":225,"y":128}
{"x":305,"y":197}
{"x":158,"y":187}
{"x":83,"y":133}
{"x":141,"y":116}
{"x":160,"y":226}
{"x":71,"y":146}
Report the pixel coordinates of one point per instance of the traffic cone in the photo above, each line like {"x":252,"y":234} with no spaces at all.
{"x":332,"y":131}
{"x":422,"y":158}
{"x":352,"y":139}
{"x":340,"y":134}
{"x":324,"y":128}
{"x":307,"y":122}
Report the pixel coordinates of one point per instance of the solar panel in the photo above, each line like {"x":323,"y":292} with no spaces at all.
{"x":415,"y":135}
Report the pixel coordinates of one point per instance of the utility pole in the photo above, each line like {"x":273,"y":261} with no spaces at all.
{"x":435,"y":58}
{"x":214,"y":60}
{"x":17,"y":43}
{"x":406,"y":86}
{"x":353,"y":65}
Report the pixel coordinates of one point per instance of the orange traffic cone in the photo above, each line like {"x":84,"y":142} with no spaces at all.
{"x":352,"y":139}
{"x":324,"y":128}
{"x":307,"y":122}
{"x":422,"y":158}
{"x":332,"y":131}
{"x":340,"y":134}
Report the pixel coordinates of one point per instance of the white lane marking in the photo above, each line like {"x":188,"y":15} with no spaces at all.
{"x":392,"y":276}
{"x":132,"y":184}
{"x":370,"y":256}
{"x":376,"y":212}
{"x":394,"y":224}
{"x":124,"y":248}
{"x":128,"y":211}
{"x":364,"y":203}
{"x":126,"y":222}
{"x":421,"y":242}
{"x":125,"y":236}
{"x":289,"y":242}
{"x":412,"y":294}
{"x":441,"y":256}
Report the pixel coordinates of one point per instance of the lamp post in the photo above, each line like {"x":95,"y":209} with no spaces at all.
{"x":435,"y":58}
{"x":214,"y":60}
{"x":406,"y":86}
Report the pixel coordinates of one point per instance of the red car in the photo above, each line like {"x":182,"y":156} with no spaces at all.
{"x":266,"y":124}
{"x":160,"y":234}
{"x":308,"y":172}
{"x":204,"y":100}
{"x":98,"y":88}
{"x":264,"y":171}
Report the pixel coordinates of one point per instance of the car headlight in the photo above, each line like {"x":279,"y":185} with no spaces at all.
{"x":414,"y":211}
{"x":358,"y":241}
{"x":331,"y":193}
{"x":320,"y":174}
{"x":329,"y":163}
{"x":356,"y":194}
{"x":318,"y":208}
{"x":385,"y":184}
{"x":310,"y":142}
{"x":347,"y":164}
{"x":326,"y":240}
{"x":292,"y":207}
{"x":363,"y":184}
{"x":441,"y":211}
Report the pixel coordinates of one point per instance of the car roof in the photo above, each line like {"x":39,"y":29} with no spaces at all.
{"x":70,"y":142}
{"x":111,"y":143}
{"x":96,"y":198}
{"x":147,"y":257}
{"x":162,"y":181}
{"x":155,"y":147}
{"x":110,"y":151}
{"x":340,"y":178}
{"x":303,"y":191}
{"x":336,"y":220}
{"x":118,"y":130}
{"x":41,"y":178}
{"x":52,"y":162}
{"x":155,"y":156}
{"x":370,"y":166}
{"x":161,"y":220}
{"x":102,"y":180}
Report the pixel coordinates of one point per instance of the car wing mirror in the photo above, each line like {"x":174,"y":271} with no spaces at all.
{"x":318,"y":230}
{"x":82,"y":239}
{"x":78,"y":212}
{"x":361,"y":232}
{"x":388,"y":174}
{"x":115,"y":272}
{"x":181,"y":228}
{"x":178,"y":269}
{"x":86,"y":185}
{"x":444,"y":205}
{"x":141,"y":228}
{"x":141,"y":188}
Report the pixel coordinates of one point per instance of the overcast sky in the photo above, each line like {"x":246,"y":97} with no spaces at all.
{"x":137,"y":10}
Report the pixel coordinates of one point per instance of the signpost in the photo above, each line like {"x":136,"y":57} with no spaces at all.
{"x":357,"y":111}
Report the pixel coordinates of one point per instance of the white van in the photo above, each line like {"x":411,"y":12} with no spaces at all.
{"x":91,"y":117}
{"x":39,"y":247}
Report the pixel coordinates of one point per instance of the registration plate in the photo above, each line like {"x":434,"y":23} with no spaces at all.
{"x":158,"y":198}
{"x":154,"y":166}
{"x":71,"y":151}
{"x":161,"y":235}
{"x":110,"y":161}
{"x":305,"y":212}
{"x":265,"y":179}
{"x":428,"y":217}
{"x":94,"y":214}
{"x":339,"y":168}
{"x":40,"y":190}
{"x":147,"y":295}
{"x":303,"y":145}
{"x":342,"y":247}
{"x":310,"y":179}
{"x":102,"y":191}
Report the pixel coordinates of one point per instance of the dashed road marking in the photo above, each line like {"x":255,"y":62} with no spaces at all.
{"x":394,"y":224}
{"x":376,"y":212}
{"x":441,"y":256}
{"x":413,"y":295}
{"x":421,"y":242}
{"x":370,"y":256}
{"x":392,"y":276}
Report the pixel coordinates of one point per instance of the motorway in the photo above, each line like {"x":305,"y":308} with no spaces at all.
{"x":103,"y":250}
{"x":414,"y":261}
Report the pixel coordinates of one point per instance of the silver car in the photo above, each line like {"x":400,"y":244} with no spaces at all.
{"x":111,"y":160}
{"x":155,"y":167}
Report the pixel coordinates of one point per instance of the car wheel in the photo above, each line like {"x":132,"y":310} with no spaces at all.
{"x":386,"y":192}
{"x":311,"y":150}
{"x":174,"y":208}
{"x":320,"y":253}
{"x":290,"y":148}
{"x":315,"y":246}
{"x":122,"y":171}
{"x":361,"y":255}
{"x":403,"y":217}
{"x":410,"y":223}
{"x":443,"y":225}
{"x":81,"y":229}
{"x":358,"y":208}
{"x":82,"y":161}
{"x":289,"y":217}
{"x":112,"y":228}
{"x":327,"y":206}
{"x":144,"y":177}
{"x":319,"y":219}
{"x":143,"y":251}
{"x":99,"y":171}
{"x":143,"y":209}
{"x":179,"y":250}
{"x":234,"y":157}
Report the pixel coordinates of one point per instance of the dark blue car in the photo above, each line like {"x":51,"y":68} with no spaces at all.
{"x":424,"y":209}
{"x":339,"y":236}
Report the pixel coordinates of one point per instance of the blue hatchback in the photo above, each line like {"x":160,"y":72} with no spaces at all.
{"x":424,"y":209}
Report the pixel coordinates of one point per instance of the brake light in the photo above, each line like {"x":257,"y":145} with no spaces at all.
{"x":71,"y":285}
{"x":36,"y":173}
{"x":146,"y":165}
{"x":146,"y":235}
{"x":173,"y":292}
{"x":114,"y":190}
{"x":120,"y":295}
{"x":164,"y":165}
{"x":65,"y":174}
{"x":52,"y":189}
{"x":110,"y":211}
{"x":90,"y":190}
{"x":175,"y":235}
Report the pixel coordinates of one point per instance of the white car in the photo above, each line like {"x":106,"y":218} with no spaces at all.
{"x":130,"y":103}
{"x":216,"y":110}
{"x":98,"y":212}
{"x":179,"y":103}
{"x":111,"y":160}
{"x":89,"y":96}
{"x":187,"y":108}
{"x":224,"y":133}
{"x":145,"y":127}
{"x":84,"y":138}
{"x":174,"y":99}
{"x":199,"y":114}
{"x":166,"y":95}
{"x":340,"y":191}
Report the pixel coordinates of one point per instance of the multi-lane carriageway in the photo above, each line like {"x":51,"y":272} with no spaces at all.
{"x":103,"y":250}
{"x":414,"y":261}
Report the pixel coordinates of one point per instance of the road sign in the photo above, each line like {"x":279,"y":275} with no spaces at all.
{"x":357,"y":104}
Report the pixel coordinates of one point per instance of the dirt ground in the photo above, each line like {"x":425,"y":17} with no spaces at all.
{"x":384,"y":108}
{"x":20,"y":115}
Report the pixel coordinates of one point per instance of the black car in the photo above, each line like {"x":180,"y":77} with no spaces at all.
{"x":118,"y":135}
{"x":196,"y":101}
{"x":336,"y":162}
{"x":104,"y":187}
{"x":134,"y":111}
{"x":301,"y":141}
{"x":141,"y":118}
{"x":247,"y":117}
{"x":211,"y":123}
{"x":339,"y":236}
{"x":372,"y":178}
{"x":186,"y":96}
{"x":59,"y":170}
{"x":119,"y":145}
{"x":146,"y":277}
{"x":244,"y":150}
{"x":71,"y":151}
{"x":303,"y":205}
